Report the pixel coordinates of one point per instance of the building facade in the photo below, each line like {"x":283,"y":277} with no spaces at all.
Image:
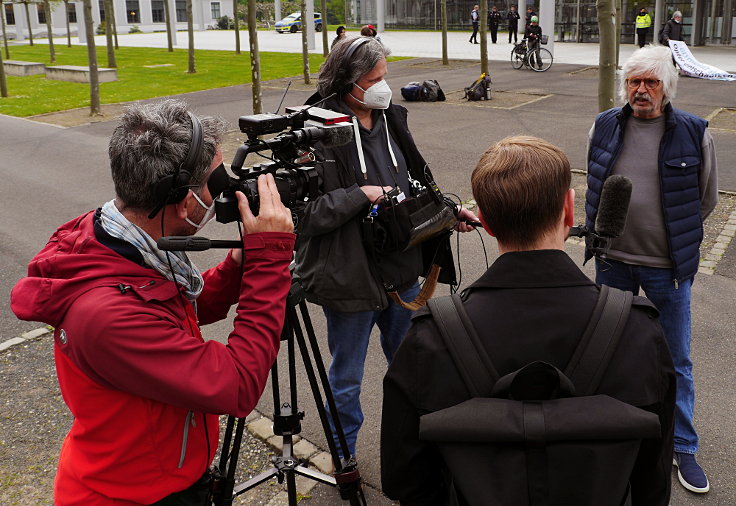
{"x":145,"y":15}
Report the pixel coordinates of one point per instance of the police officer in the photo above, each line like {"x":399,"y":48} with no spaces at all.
{"x":643,"y":22}
{"x":494,"y":18}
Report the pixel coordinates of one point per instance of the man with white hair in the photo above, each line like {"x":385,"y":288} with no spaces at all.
{"x":670,"y":157}
{"x":672,"y":29}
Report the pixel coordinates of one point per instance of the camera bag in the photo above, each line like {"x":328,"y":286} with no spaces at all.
{"x":432,"y":92}
{"x":538,"y":436}
{"x":480,"y":89}
{"x":412,"y":92}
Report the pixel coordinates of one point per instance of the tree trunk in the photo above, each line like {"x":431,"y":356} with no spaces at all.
{"x":484,"y":37}
{"x":68,"y":30}
{"x":619,"y":26}
{"x":305,"y":43}
{"x":3,"y":81}
{"x":94,"y":83}
{"x":111,"y":63}
{"x":607,"y":55}
{"x":255,"y":58}
{"x":47,"y":14}
{"x":28,"y":24}
{"x":5,"y":35}
{"x":445,"y":60}
{"x":190,"y":30}
{"x":325,"y":43}
{"x":236,"y":23}
{"x":167,"y":14}
{"x":114,"y":23}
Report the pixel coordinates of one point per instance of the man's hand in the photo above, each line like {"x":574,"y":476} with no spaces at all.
{"x":375,"y":193}
{"x":466,"y":215}
{"x":273,"y":216}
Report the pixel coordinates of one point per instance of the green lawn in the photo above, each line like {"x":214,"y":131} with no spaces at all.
{"x":35,"y":94}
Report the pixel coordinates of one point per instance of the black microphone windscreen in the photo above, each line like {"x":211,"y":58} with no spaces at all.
{"x":613,"y":207}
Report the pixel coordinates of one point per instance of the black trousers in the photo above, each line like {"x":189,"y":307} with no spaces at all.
{"x":474,"y":37}
{"x":641,"y":35}
{"x":494,"y":32}
{"x":513,"y":29}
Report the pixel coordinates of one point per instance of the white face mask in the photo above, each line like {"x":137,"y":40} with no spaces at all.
{"x":208,"y":215}
{"x":377,"y":96}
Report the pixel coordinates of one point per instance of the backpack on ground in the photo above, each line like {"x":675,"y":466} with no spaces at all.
{"x":412,"y":92}
{"x":431,"y":91}
{"x":538,"y":436}
{"x":480,"y":89}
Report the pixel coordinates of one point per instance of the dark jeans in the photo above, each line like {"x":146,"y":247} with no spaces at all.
{"x":494,"y":33}
{"x":641,"y":35}
{"x":534,"y":58}
{"x":474,"y":37}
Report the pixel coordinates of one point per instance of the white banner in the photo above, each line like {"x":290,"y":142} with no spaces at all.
{"x":691,"y":67}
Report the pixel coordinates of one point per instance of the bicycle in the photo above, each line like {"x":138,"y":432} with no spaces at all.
{"x":521,"y":56}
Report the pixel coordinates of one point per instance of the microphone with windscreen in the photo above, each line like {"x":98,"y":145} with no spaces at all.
{"x":611,"y":219}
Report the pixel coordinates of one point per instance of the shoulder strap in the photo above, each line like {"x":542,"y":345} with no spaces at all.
{"x":601,"y":337}
{"x":465,"y":348}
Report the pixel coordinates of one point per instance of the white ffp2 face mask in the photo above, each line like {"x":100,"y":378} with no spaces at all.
{"x":208,"y":215}
{"x":377,"y":96}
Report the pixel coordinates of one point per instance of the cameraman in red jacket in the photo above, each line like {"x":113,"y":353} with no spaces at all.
{"x":145,"y":389}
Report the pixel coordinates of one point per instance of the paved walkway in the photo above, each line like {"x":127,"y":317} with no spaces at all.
{"x":409,"y":43}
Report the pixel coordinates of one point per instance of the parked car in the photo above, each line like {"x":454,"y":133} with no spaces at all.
{"x":293,"y":23}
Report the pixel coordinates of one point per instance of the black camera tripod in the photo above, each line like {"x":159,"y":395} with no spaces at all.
{"x":287,"y":423}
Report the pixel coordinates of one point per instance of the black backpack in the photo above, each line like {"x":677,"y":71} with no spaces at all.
{"x":538,"y":436}
{"x":428,"y":91}
{"x":480,"y":89}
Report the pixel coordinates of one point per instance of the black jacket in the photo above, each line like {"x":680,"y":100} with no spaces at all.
{"x":331,"y":262}
{"x":494,"y":18}
{"x":528,"y":306}
{"x":513,"y":18}
{"x":672,"y":31}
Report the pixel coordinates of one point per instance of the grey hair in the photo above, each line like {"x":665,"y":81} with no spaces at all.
{"x":676,"y":14}
{"x":337,"y":75}
{"x":655,"y":60}
{"x":150,"y":142}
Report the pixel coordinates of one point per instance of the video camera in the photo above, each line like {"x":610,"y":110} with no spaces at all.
{"x":292,"y":161}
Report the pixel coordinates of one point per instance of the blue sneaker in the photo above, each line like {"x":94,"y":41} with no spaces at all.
{"x":690,"y":473}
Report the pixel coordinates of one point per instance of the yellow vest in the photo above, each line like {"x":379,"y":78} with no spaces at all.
{"x":644,"y":21}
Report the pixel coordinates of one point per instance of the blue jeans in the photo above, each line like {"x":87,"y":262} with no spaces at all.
{"x":347,"y":337}
{"x":674,"y":315}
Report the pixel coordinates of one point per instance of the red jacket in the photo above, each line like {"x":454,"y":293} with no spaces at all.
{"x":133,"y":368}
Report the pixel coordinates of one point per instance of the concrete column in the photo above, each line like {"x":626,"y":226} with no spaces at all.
{"x":172,"y":9}
{"x":308,"y":24}
{"x":658,"y":20}
{"x":81,"y":27}
{"x":277,"y":10}
{"x":20,"y":21}
{"x":521,"y":9}
{"x":696,"y":38}
{"x":547,"y":22}
{"x":144,"y":9}
{"x":381,"y":15}
{"x":727,"y":30}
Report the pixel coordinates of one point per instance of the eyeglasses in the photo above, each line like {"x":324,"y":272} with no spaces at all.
{"x":649,"y":84}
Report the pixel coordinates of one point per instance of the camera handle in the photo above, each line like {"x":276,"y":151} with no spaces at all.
{"x":287,"y":422}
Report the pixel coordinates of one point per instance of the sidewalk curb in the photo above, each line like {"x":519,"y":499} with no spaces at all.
{"x":26,"y":336}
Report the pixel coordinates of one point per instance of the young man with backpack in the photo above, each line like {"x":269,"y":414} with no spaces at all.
{"x":532,"y":306}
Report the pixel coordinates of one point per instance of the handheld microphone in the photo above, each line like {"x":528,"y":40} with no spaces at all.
{"x":193,"y":243}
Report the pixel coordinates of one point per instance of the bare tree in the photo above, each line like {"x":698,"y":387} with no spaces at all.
{"x":68,"y":30}
{"x":445,"y":60}
{"x":28,"y":23}
{"x":111,"y":62}
{"x":305,"y":43}
{"x":49,"y":30}
{"x":5,"y":35}
{"x":484,"y":37}
{"x":3,"y":81}
{"x":236,"y":24}
{"x":114,"y":24}
{"x":607,"y":55}
{"x":94,"y":82}
{"x":167,"y":15}
{"x":325,"y":44}
{"x":190,"y":29}
{"x":255,"y":58}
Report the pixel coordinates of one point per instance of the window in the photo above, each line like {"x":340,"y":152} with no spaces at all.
{"x":133,"y":10}
{"x":9,"y":14}
{"x":158,"y":14}
{"x":102,"y":11}
{"x":181,"y":11}
{"x":71,"y":12}
{"x":215,"y":10}
{"x":41,"y":14}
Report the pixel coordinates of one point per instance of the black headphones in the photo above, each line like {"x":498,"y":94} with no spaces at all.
{"x":343,"y":74}
{"x":172,"y":189}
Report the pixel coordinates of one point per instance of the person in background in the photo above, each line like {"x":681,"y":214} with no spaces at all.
{"x":672,"y":29}
{"x":494,"y":18}
{"x":533,"y":34}
{"x":643,"y":22}
{"x":475,"y":19}
{"x":513,"y":18}
{"x":340,"y":36}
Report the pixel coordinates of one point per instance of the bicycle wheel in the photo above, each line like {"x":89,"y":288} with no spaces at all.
{"x":543,"y":59}
{"x":517,"y":60}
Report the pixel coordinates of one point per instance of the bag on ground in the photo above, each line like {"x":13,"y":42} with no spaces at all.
{"x":480,"y":89}
{"x":412,"y":92}
{"x":431,"y":91}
